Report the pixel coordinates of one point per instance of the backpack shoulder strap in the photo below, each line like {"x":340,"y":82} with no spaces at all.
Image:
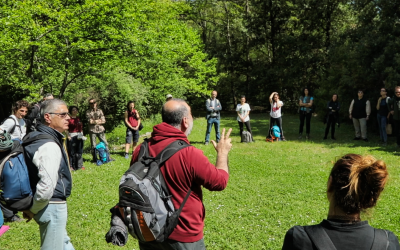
{"x":15,"y":124}
{"x":381,"y":240}
{"x":319,"y":237}
{"x":170,"y":150}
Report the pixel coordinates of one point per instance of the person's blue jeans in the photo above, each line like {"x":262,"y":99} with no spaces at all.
{"x":210,"y":122}
{"x":382,"y":121}
{"x":52,"y":222}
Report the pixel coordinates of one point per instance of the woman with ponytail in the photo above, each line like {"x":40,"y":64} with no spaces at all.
{"x":355,"y":184}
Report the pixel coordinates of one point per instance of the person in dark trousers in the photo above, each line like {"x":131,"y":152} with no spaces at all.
{"x":75,"y":139}
{"x":359,"y":111}
{"x":354,"y":185}
{"x":276,"y":113}
{"x":132,"y":122}
{"x":213,"y":107}
{"x":394,"y":105}
{"x":383,"y":114}
{"x":243,"y":112}
{"x":305,"y":103}
{"x":332,"y":116}
{"x":96,"y":119}
{"x":187,"y":169}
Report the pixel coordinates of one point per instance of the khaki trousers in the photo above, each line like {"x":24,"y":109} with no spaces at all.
{"x":360,"y":125}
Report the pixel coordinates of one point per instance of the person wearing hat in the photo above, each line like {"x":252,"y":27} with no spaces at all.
{"x":169,"y":97}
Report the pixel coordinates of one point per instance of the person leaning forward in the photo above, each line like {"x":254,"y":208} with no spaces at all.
{"x":50,"y":177}
{"x":96,"y":120}
{"x":213,"y":107}
{"x":188,"y":168}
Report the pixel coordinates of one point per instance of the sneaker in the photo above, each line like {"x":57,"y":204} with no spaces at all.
{"x":384,"y":144}
{"x":283,"y":139}
{"x":14,"y":218}
{"x":307,"y":136}
{"x":366,"y":139}
{"x":206,"y":143}
{"x":112,"y":159}
{"x":357,"y":138}
{"x":126,"y":156}
{"x":300,"y":136}
{"x":333,"y":138}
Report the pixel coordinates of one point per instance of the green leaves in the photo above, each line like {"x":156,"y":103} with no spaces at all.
{"x":64,"y":47}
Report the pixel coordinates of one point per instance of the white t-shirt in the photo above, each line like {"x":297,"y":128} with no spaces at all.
{"x":276,"y":112}
{"x":20,"y":128}
{"x":243,"y":109}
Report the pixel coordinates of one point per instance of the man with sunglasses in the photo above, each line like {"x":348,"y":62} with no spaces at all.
{"x":394,"y":105}
{"x":49,"y":176}
{"x":96,"y":120}
{"x":359,"y":111}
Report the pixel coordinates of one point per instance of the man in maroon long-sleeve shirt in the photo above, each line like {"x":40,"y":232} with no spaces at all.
{"x":188,"y":168}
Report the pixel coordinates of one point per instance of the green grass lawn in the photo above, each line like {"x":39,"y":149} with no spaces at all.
{"x":272,"y":187}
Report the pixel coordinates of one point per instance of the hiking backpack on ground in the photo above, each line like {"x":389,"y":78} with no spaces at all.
{"x":101,"y":154}
{"x":274,"y":134}
{"x":246,"y":136}
{"x":145,"y":203}
{"x":16,"y":193}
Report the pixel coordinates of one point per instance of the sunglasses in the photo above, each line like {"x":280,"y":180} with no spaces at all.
{"x":61,"y":115}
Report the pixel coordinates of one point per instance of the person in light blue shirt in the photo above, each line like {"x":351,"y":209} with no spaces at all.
{"x":305,"y":110}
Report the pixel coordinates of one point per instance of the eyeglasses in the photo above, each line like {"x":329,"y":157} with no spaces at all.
{"x":397,"y":92}
{"x":61,"y":115}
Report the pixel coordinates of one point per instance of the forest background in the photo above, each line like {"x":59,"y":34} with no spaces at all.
{"x":120,"y":50}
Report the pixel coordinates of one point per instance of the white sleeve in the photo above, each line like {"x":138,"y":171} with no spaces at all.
{"x":248,"y":106}
{"x":8,"y":125}
{"x":47,"y":159}
{"x":281,"y":103}
{"x":237,"y":107}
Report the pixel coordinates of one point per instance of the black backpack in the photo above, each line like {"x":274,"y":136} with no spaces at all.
{"x":145,"y":203}
{"x":321,"y":240}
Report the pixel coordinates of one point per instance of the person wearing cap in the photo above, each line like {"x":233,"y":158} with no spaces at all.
{"x":168,"y":97}
{"x":213,"y":107}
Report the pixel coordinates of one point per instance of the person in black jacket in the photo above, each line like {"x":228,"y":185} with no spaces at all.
{"x":332,"y":116}
{"x":359,"y":111}
{"x":354,"y":185}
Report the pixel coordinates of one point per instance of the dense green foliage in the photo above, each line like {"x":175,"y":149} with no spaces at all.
{"x":115,"y":50}
{"x":273,"y":45}
{"x":272,"y":187}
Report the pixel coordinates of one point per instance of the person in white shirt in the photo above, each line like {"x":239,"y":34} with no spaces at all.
{"x":15,"y":124}
{"x":243,"y":111}
{"x":276,"y":114}
{"x":16,"y":127}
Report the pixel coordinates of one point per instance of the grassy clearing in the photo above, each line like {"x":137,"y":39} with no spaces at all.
{"x":272,"y":187}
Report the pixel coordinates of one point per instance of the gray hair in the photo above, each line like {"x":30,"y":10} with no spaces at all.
{"x":49,"y":106}
{"x":174,"y":117}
